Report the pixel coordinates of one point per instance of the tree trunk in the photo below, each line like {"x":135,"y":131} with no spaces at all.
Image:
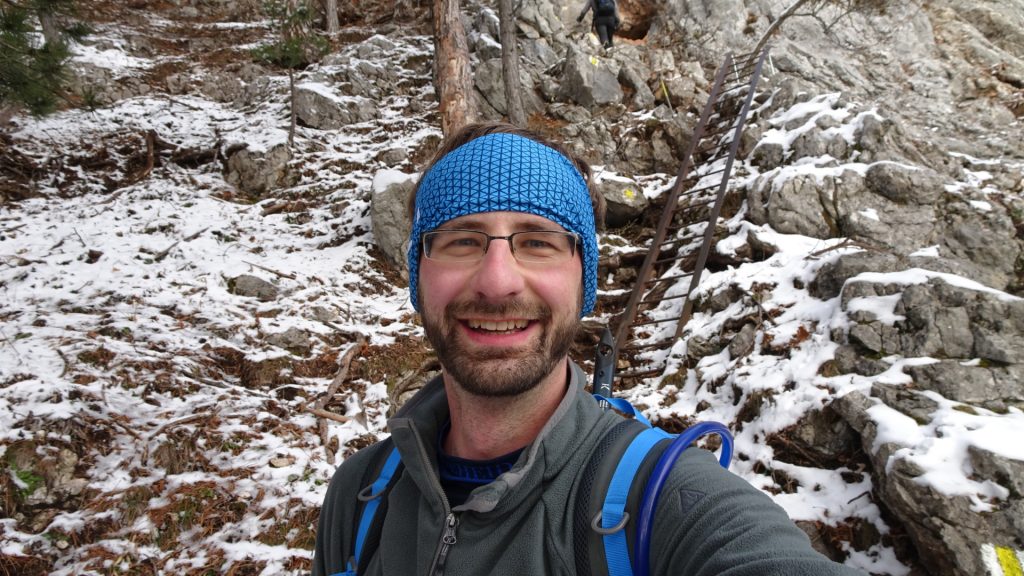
{"x":331,"y":8}
{"x":454,"y":79}
{"x":51,"y":28}
{"x":510,"y":64}
{"x":291,"y":106}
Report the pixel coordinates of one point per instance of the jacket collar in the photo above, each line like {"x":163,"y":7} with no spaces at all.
{"x":415,"y":428}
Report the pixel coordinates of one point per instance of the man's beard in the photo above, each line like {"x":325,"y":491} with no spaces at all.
{"x":496,"y":372}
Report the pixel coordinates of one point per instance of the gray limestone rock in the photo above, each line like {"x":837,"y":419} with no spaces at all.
{"x":253,"y":287}
{"x":1001,"y":470}
{"x":903,"y":184}
{"x":256,"y":172}
{"x":742,"y":344}
{"x":293,"y":339}
{"x":389,"y":216}
{"x":643,"y":98}
{"x":488,"y":79}
{"x":624,"y":199}
{"x":971,"y":384}
{"x":589,"y":81}
{"x":316,"y":107}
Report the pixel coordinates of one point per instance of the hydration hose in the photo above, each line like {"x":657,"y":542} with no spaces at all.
{"x":604,"y":373}
{"x":645,"y":516}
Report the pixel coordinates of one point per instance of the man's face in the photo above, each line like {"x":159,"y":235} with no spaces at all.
{"x":500,"y":326}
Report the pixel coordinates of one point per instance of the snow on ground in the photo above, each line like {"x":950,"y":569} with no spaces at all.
{"x":120,"y":330}
{"x":118,"y":319}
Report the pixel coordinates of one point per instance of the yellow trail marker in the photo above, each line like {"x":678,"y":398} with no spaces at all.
{"x":1008,"y":561}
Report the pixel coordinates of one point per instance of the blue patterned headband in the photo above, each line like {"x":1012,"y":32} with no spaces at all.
{"x":506,"y":172}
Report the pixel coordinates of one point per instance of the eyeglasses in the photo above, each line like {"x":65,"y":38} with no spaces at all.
{"x":541,"y":246}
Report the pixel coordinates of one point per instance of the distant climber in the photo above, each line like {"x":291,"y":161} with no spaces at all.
{"x":606,"y":19}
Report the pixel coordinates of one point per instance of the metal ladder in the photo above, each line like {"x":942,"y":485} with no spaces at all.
{"x":657,"y":310}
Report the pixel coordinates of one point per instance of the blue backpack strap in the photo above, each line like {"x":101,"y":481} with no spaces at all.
{"x":371,"y":495}
{"x":613,"y":519}
{"x":623,"y":405}
{"x":613,"y":516}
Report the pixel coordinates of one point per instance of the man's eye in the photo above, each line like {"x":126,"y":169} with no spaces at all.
{"x":458,"y":243}
{"x":536,"y":244}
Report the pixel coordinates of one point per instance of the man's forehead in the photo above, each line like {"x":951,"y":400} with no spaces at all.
{"x":514,"y":220}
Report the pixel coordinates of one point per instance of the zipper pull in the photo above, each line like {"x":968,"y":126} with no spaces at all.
{"x":449,"y":531}
{"x":447,"y":541}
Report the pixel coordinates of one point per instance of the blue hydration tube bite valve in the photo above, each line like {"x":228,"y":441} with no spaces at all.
{"x":660,"y":474}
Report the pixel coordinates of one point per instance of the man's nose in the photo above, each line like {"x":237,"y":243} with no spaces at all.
{"x":498,"y":275}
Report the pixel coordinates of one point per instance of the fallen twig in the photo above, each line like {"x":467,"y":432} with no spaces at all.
{"x":16,"y":261}
{"x":346,"y":332}
{"x":13,"y":347}
{"x":80,"y":239}
{"x":195,"y":235}
{"x":163,"y":253}
{"x":329,"y":415}
{"x":178,"y":422}
{"x":271,"y":270}
{"x":846,"y":243}
{"x":65,"y":359}
{"x":406,"y":383}
{"x":320,"y":409}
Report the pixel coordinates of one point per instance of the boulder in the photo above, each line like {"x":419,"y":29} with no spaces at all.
{"x":318,"y":107}
{"x":293,"y":339}
{"x":947,"y":530}
{"x":624,"y":199}
{"x":389,"y":215}
{"x":489,"y":81}
{"x":589,"y":81}
{"x":252,"y":287}
{"x":256,"y":171}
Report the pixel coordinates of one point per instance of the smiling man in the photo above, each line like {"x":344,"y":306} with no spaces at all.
{"x":490,"y":467}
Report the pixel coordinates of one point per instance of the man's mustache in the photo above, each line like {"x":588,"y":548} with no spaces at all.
{"x":517,"y":308}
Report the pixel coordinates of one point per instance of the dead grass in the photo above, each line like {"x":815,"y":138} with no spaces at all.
{"x":11,"y":565}
{"x":296,"y":530}
{"x":204,"y":506}
{"x":389,"y":363}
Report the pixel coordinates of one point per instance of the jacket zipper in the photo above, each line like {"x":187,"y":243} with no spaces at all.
{"x":447,"y":541}
{"x":451,"y":521}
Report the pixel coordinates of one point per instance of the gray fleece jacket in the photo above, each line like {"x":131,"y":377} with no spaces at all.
{"x":709,"y":521}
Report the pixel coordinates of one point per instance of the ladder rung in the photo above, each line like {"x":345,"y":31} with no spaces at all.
{"x":734,"y":95}
{"x":644,"y":374}
{"x":669,"y":278}
{"x":741,"y":72}
{"x":679,"y":241}
{"x":669,"y":259}
{"x":729,"y":128}
{"x":735,"y":86}
{"x":649,"y":345}
{"x":719,"y":171}
{"x":697,"y":191}
{"x":650,"y":322}
{"x":716,"y":148}
{"x":697,"y":205}
{"x":653,"y":303}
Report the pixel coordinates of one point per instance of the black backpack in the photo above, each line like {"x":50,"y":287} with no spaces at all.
{"x":604,"y":7}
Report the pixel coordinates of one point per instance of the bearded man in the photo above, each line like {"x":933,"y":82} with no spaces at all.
{"x":487,"y":465}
